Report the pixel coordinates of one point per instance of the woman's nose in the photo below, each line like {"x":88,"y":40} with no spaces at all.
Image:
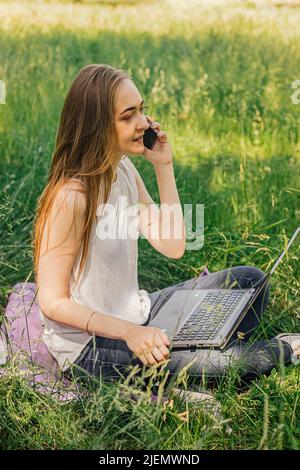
{"x":144,"y":124}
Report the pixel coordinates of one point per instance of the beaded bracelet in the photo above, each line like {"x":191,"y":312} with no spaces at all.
{"x":86,"y":328}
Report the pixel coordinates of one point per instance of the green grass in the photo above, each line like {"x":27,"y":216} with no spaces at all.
{"x":219,"y":80}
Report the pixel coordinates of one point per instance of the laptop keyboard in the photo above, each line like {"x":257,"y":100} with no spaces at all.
{"x":212,"y":313}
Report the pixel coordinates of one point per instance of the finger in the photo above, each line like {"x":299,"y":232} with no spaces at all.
{"x":160,"y":340}
{"x":164,"y":337}
{"x":152,"y":352}
{"x":145,"y":354}
{"x":156,"y":125}
{"x":143,"y":359}
{"x":149,"y":118}
{"x":150,"y":358}
{"x":156,"y":352}
{"x":164,"y":350}
{"x":162,"y":136}
{"x":158,"y":348}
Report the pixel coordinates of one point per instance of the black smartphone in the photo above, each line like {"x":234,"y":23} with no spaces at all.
{"x":149,"y":138}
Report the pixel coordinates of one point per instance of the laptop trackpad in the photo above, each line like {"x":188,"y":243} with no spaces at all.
{"x":177,"y":309}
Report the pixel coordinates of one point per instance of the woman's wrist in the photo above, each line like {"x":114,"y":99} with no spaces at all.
{"x":163,"y":166}
{"x":88,"y":323}
{"x":101,"y":324}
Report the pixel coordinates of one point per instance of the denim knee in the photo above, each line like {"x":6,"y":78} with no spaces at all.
{"x":257,"y":275}
{"x":251,"y":273}
{"x":255,"y":272}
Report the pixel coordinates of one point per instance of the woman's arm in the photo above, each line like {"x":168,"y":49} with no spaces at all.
{"x":163,"y":227}
{"x":73,"y":314}
{"x":55,"y":266}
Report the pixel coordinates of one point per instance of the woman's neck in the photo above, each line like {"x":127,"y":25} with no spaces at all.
{"x":115,"y":168}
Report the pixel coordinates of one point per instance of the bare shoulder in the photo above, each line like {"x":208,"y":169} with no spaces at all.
{"x":75,"y":185}
{"x":72,"y":195}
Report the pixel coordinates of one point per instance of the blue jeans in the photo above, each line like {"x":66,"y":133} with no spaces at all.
{"x":113,"y":359}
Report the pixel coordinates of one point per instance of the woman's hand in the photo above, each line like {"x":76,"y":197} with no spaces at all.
{"x":148,"y":343}
{"x":161,"y":152}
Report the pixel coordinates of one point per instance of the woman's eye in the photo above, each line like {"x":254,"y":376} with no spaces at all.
{"x":129,"y":117}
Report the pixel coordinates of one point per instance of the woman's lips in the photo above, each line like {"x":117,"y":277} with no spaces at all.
{"x":138,"y":140}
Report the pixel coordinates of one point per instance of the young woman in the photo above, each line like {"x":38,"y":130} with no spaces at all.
{"x":95,"y":316}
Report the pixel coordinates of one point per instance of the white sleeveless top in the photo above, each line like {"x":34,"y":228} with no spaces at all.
{"x":109,"y":281}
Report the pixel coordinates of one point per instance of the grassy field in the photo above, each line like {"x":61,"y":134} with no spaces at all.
{"x":219,"y":79}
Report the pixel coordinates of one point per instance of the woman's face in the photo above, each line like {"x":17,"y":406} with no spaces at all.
{"x":130,"y":119}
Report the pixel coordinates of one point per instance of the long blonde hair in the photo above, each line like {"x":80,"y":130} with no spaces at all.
{"x":85,"y":148}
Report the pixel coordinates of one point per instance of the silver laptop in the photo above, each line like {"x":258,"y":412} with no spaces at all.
{"x":194,"y":318}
